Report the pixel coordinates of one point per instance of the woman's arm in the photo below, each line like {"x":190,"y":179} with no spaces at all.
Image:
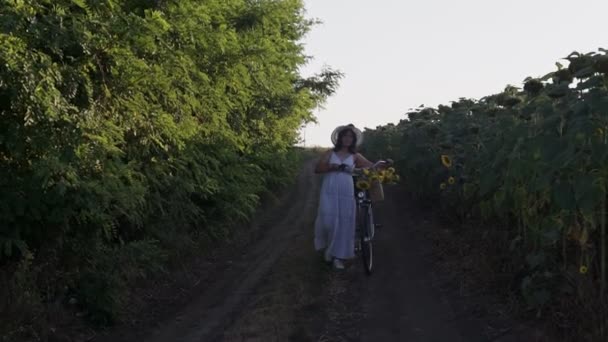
{"x":323,"y":165}
{"x":362,"y":162}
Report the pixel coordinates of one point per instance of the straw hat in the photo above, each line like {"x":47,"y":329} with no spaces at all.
{"x":336,"y":132}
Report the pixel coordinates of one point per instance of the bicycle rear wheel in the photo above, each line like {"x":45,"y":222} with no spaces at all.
{"x":367,"y":255}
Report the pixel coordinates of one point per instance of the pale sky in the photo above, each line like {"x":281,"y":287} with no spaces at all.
{"x":399,"y":54}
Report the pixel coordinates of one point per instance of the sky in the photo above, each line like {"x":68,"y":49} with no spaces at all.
{"x":400,"y":54}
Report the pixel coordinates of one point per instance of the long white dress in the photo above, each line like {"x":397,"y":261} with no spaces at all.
{"x":335,"y":222}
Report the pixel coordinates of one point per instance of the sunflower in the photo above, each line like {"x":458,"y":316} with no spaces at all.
{"x":366,"y":172}
{"x":391,"y":170}
{"x":583,"y":269}
{"x":374,"y":177}
{"x":443,"y":186}
{"x":446,"y":161}
{"x":363,"y":185}
{"x":451,"y":180}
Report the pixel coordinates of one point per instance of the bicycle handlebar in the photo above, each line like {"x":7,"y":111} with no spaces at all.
{"x":359,"y":171}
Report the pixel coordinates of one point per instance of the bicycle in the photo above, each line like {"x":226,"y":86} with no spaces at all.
{"x":365,"y":225}
{"x":364,"y":231}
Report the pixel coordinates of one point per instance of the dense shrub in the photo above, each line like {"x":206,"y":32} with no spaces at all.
{"x":125,"y":124}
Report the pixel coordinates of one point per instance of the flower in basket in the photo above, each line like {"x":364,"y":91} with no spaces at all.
{"x":363,"y":184}
{"x":369,"y":176}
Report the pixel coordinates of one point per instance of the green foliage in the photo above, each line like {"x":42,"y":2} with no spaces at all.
{"x":116,"y":115}
{"x":535,"y":159}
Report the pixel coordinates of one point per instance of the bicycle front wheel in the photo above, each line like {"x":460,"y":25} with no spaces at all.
{"x":367,"y":255}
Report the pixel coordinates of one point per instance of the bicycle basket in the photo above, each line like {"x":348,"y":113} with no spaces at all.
{"x":376,"y":192}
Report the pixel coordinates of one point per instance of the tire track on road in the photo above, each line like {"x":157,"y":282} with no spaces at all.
{"x":208,"y":315}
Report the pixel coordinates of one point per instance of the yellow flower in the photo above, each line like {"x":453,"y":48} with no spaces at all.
{"x":443,"y":186}
{"x":374,"y":177}
{"x":583,"y":269}
{"x":446,"y":161}
{"x":363,"y":185}
{"x":391,"y":170}
{"x":451,"y":180}
{"x":366,"y":172}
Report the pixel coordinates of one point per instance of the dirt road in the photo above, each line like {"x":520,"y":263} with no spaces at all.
{"x":278,"y":289}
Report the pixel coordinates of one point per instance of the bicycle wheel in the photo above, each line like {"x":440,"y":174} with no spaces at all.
{"x":367,"y":255}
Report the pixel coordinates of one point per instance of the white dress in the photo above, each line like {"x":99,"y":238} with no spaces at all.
{"x":335,"y":222}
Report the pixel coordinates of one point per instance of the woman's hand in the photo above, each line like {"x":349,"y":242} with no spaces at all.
{"x":383,"y":164}
{"x":345,"y":168}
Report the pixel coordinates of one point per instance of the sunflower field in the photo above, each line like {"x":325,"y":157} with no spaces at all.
{"x":130,"y":129}
{"x":532,"y":161}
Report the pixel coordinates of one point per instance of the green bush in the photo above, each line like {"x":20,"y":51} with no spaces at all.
{"x":124,"y":123}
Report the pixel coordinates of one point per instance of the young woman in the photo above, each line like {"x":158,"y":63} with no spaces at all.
{"x":335,"y":222}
